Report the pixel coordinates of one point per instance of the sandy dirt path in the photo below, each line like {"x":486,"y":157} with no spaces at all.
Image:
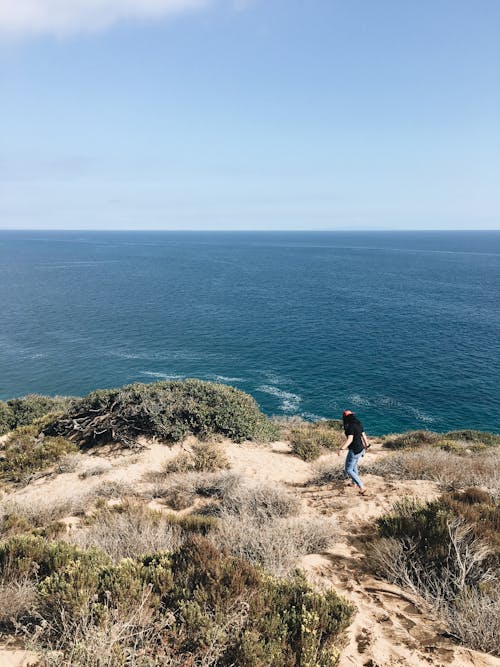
{"x":390,"y":628}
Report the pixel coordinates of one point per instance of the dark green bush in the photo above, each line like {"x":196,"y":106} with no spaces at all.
{"x":33,"y":406}
{"x":6,"y":418}
{"x":168,"y":411}
{"x":35,"y":556}
{"x":27,"y":451}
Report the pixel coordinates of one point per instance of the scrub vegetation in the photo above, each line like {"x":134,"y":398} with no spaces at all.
{"x":168,"y":411}
{"x":309,"y":440}
{"x":448,"y":552}
{"x":190,"y":563}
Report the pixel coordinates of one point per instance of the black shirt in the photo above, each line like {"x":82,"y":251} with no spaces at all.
{"x":355,"y":430}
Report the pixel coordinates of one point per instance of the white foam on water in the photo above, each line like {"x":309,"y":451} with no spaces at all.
{"x":312,"y":417}
{"x":224,"y":378}
{"x":289,"y":402}
{"x":162,"y":376}
{"x":390,"y":402}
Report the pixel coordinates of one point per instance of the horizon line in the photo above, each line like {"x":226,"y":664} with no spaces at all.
{"x":265,"y":231}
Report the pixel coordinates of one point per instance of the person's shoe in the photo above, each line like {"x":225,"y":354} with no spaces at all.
{"x":362,"y":491}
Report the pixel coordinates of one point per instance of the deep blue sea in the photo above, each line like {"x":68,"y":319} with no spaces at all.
{"x":403,"y":327}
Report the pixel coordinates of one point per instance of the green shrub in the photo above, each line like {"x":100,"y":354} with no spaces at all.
{"x":70,"y":587}
{"x":304,"y":445}
{"x":6,"y":418}
{"x":308,"y":440}
{"x":14,"y":524}
{"x":27,"y":409}
{"x":453,"y":441}
{"x":26,"y":451}
{"x":34,"y":556}
{"x":200,"y":601}
{"x":470,"y":436}
{"x":168,"y":411}
{"x":426,"y":524}
{"x":411,"y":439}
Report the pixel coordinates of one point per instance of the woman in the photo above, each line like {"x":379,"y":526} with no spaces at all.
{"x":356,"y":443}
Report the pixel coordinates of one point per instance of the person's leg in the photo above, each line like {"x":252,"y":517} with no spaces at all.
{"x":351,"y":468}
{"x":357,"y":457}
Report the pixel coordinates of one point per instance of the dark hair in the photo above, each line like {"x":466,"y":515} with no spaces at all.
{"x":351,"y":419}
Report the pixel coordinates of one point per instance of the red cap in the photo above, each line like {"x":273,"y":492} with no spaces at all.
{"x":347,"y":412}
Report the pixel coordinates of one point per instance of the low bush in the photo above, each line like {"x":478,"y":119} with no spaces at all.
{"x":447,"y":551}
{"x":111,"y":488}
{"x":304,"y":446}
{"x":26,"y":451}
{"x":96,"y":470}
{"x":168,"y":410}
{"x":44,"y":513}
{"x":451,"y":470}
{"x":35,"y":557}
{"x":411,"y":439}
{"x":203,"y":457}
{"x":128,"y":530}
{"x":179,"y":492}
{"x":27,"y":409}
{"x":195,"y":605}
{"x":329,"y":470}
{"x":470,"y":437}
{"x":259,"y":501}
{"x":309,"y":440}
{"x":18,"y":600}
{"x":6,"y":418}
{"x":69,"y":463}
{"x":454,"y":441}
{"x":276,"y":544}
{"x":193,"y":523}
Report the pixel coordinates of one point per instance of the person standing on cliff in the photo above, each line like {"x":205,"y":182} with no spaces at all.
{"x":356,"y":444}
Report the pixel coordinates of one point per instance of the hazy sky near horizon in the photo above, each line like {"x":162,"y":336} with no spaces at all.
{"x":250,"y":114}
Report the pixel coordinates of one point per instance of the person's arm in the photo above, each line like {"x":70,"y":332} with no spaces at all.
{"x":346,"y":443}
{"x":365,"y":440}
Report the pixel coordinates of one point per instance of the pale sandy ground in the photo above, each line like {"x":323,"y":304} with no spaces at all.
{"x":390,"y":628}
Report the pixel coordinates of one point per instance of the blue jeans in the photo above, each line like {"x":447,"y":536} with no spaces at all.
{"x":351,"y":466}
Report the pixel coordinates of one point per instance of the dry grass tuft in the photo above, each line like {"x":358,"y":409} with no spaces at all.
{"x":203,"y":457}
{"x":128,"y":531}
{"x":17,"y":600}
{"x":261,"y":501}
{"x":113,"y":489}
{"x":451,"y":470}
{"x":68,"y":463}
{"x":276,"y":544}
{"x":96,"y":470}
{"x":45,"y":510}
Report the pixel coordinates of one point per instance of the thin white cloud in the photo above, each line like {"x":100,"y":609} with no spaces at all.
{"x":62,"y":17}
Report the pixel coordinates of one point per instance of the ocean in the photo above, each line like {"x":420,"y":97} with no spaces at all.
{"x":401,"y":327}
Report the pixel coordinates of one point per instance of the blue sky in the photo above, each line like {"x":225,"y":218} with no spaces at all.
{"x":256,"y":114}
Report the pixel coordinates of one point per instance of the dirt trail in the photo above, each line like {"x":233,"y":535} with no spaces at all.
{"x":389,"y":629}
